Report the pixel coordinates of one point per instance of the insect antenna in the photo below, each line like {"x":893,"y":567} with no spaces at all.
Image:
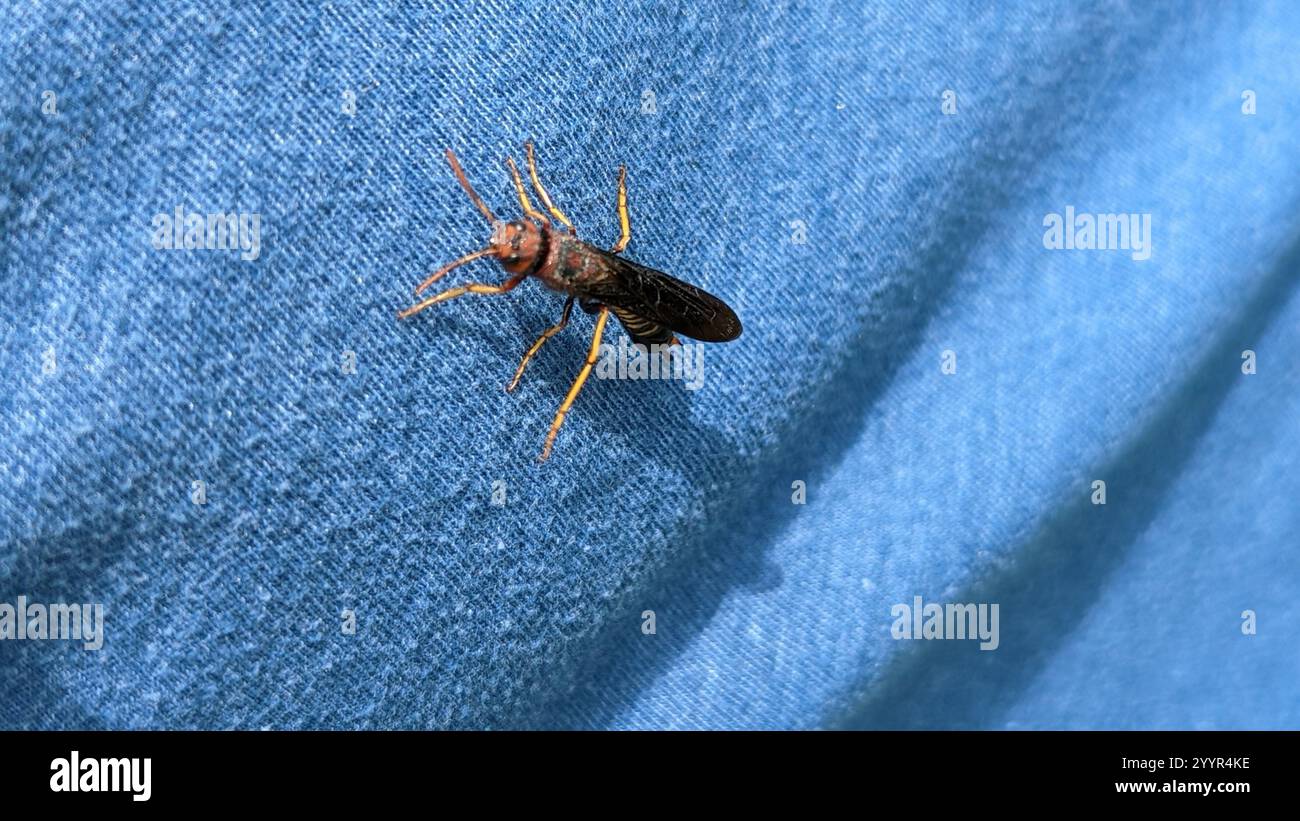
{"x":469,"y":189}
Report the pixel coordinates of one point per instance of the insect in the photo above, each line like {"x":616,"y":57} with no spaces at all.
{"x":650,"y":305}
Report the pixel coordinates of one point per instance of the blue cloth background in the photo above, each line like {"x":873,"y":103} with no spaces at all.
{"x":373,"y":491}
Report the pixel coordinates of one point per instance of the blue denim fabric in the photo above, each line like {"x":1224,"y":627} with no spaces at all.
{"x":742,"y":128}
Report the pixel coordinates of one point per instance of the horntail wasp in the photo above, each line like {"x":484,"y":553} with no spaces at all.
{"x":650,"y":305}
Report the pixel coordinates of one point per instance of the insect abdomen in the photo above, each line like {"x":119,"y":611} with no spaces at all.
{"x":642,"y":330}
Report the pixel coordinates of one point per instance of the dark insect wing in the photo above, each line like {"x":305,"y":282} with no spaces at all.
{"x":660,"y":298}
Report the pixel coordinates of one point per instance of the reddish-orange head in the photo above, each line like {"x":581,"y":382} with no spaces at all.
{"x":516,"y":245}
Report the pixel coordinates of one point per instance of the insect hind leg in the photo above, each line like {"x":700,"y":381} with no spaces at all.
{"x":592,"y":355}
{"x":624,"y":224}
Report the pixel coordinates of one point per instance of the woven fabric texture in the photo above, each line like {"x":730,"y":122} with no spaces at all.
{"x":865,"y":184}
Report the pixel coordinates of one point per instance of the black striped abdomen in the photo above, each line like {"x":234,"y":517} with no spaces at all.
{"x":642,"y":330}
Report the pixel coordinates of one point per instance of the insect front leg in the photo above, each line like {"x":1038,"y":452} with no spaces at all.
{"x":624,"y":224}
{"x":529,"y":211}
{"x":461,"y":290}
{"x":541,"y":191}
{"x":592,"y":356}
{"x":541,"y":340}
{"x":442,"y":272}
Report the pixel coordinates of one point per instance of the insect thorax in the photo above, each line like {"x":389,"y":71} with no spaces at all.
{"x":570,"y":264}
